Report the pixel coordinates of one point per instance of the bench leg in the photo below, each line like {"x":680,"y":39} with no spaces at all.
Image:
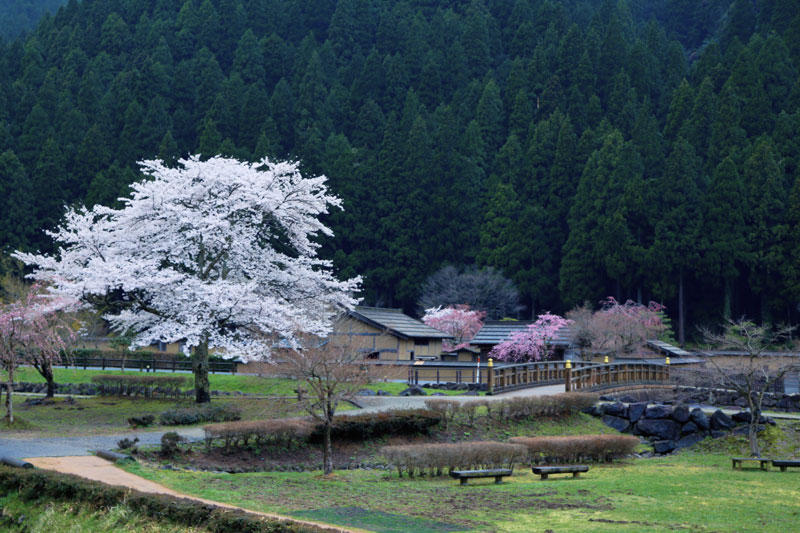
{"x":464,"y":480}
{"x":575,"y":474}
{"x":544,"y":476}
{"x":498,"y":479}
{"x":783,"y":469}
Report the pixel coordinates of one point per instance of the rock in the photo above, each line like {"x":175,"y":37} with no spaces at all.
{"x":740,"y":402}
{"x":605,"y":398}
{"x":414,"y":390}
{"x":680,"y":414}
{"x":383,"y":393}
{"x":715,"y":434}
{"x":593,"y":410}
{"x":438,"y":394}
{"x":627,"y":399}
{"x":689,"y":440}
{"x":635,"y":411}
{"x":663,"y":446}
{"x":615,"y":409}
{"x":658,"y":411}
{"x":662,"y":428}
{"x":618,"y":423}
{"x":742,"y":417}
{"x":689,"y":428}
{"x":700,"y":418}
{"x":366,"y":392}
{"x":720,"y":420}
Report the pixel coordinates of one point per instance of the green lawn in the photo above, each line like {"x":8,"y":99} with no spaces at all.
{"x":220,"y":382}
{"x":695,"y":492}
{"x":19,"y":516}
{"x":106,"y":415}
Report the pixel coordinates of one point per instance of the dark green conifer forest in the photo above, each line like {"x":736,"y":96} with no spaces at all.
{"x":644,"y":149}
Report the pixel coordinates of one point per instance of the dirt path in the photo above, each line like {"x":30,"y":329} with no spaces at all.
{"x":97,"y":469}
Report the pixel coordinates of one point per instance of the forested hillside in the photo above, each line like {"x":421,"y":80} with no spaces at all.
{"x":17,"y":16}
{"x":642,"y":149}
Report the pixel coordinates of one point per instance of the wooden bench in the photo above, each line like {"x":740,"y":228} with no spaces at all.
{"x":545,"y":471}
{"x":498,"y":474}
{"x":783,"y":464}
{"x":739,"y":461}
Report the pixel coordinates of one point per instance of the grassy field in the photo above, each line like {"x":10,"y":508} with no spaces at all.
{"x":219,"y":382}
{"x":692,"y":491}
{"x":34,"y":517}
{"x":107,"y":415}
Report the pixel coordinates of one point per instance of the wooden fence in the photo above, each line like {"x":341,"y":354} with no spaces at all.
{"x":504,"y":378}
{"x":144,"y":365}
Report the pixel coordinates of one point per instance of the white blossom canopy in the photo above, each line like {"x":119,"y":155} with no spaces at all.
{"x":219,"y":251}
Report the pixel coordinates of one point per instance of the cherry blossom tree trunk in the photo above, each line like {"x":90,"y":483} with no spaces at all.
{"x":327,"y":452}
{"x":9,"y":391}
{"x":202,"y":387}
{"x":47,"y":373}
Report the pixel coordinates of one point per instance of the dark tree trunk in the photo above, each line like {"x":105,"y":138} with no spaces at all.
{"x":327,"y":452}
{"x":202,"y":388}
{"x":9,"y":391}
{"x":47,"y":373}
{"x":726,"y":302}
{"x":681,"y":311}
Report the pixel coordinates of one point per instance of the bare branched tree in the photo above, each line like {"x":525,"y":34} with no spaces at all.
{"x":331,"y":371}
{"x":751,"y":376}
{"x":483,"y":289}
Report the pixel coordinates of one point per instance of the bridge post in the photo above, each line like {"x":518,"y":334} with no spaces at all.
{"x":567,"y":375}
{"x":490,"y":377}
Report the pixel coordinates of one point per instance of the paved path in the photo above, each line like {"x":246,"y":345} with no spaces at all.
{"x":98,"y":469}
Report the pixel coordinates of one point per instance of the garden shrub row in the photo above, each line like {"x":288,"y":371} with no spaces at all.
{"x":40,"y":485}
{"x":556,"y":406}
{"x":451,"y":410}
{"x":577,"y":448}
{"x":373,"y":425}
{"x":292,"y":430}
{"x":285,"y":431}
{"x":205,"y":413}
{"x":137,"y":385}
{"x":435,"y":458}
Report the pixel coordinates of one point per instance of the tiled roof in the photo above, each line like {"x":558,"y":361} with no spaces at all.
{"x":397,"y":322}
{"x":496,"y":331}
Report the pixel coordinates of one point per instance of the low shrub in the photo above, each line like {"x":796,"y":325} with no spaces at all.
{"x":134,"y":385}
{"x":578,"y":448}
{"x":286,"y":431}
{"x":435,"y":458}
{"x":452,"y":410}
{"x":169,"y":443}
{"x":141,"y":421}
{"x":373,"y":425}
{"x":41,"y":485}
{"x":195,"y":415}
{"x":556,"y":406}
{"x":128,"y":444}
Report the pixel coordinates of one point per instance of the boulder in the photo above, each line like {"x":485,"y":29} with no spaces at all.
{"x":681,"y":414}
{"x":627,"y":399}
{"x":605,"y":398}
{"x":715,"y":433}
{"x":688,"y":428}
{"x":658,"y":411}
{"x":689,"y":440}
{"x":366,"y":392}
{"x":664,"y":446}
{"x":700,"y":418}
{"x":662,"y":428}
{"x":742,"y":417}
{"x":635,"y":411}
{"x":383,"y":393}
{"x":615,"y":409}
{"x":720,"y":420}
{"x":616,"y":422}
{"x":416,"y":390}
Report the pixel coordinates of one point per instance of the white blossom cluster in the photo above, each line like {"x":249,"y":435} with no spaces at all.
{"x":219,"y":251}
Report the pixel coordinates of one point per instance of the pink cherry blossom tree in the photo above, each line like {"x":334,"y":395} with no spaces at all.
{"x":33,"y":330}
{"x":217,"y":253}
{"x":459,"y":321}
{"x":533,"y":344}
{"x":625,"y":327}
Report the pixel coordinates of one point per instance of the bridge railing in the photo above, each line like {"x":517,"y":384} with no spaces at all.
{"x":520,"y":376}
{"x":611,"y":375}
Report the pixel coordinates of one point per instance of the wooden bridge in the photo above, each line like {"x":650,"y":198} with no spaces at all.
{"x":576,"y":376}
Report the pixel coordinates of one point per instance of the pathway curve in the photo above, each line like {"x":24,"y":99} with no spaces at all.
{"x":98,"y":469}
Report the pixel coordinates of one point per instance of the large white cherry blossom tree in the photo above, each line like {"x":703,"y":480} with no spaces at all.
{"x":217,"y":253}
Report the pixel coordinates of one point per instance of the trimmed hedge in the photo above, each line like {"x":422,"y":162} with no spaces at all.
{"x":36,"y":485}
{"x":147,"y":386}
{"x":451,"y":410}
{"x":206,"y":413}
{"x":435,"y":458}
{"x":373,"y":425}
{"x":577,"y":448}
{"x":276,"y":431}
{"x":556,"y":406}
